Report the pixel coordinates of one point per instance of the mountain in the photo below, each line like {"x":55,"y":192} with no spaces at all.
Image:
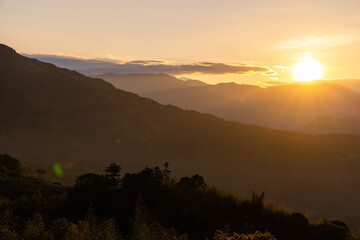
{"x":287,"y":107}
{"x":327,"y":125}
{"x":52,"y":115}
{"x":147,"y":83}
{"x":353,"y":84}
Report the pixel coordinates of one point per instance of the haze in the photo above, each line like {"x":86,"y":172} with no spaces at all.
{"x":179,"y":120}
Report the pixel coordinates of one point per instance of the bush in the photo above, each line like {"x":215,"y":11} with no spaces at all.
{"x":220,"y":235}
{"x":8,"y":227}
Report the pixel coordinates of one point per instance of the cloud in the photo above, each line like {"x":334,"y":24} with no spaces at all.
{"x":96,"y":66}
{"x":319,"y":41}
{"x":148,"y":62}
{"x":270,"y":73}
{"x":282,"y":67}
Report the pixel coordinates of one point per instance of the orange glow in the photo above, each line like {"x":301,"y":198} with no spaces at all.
{"x":307,"y":69}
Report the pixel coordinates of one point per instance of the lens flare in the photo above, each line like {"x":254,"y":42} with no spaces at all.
{"x":58,"y":170}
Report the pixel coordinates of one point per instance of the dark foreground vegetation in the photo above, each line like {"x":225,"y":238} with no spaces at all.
{"x":149,"y":204}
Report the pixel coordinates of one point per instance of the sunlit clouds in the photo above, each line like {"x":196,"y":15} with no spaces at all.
{"x":99,"y":66}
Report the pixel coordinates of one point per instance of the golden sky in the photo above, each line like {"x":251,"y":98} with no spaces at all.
{"x":268,"y":34}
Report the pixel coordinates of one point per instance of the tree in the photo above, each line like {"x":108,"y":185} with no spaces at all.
{"x":196,"y":181}
{"x":257,"y":200}
{"x":113,"y":174}
{"x":332,"y":230}
{"x":8,"y":226}
{"x":35,"y":229}
{"x":166,"y":172}
{"x":90,"y":179}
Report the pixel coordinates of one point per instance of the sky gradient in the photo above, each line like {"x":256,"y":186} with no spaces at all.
{"x":257,"y":33}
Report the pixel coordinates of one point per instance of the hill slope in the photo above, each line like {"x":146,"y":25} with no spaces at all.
{"x":353,"y":84}
{"x":54,"y":115}
{"x":327,"y":125}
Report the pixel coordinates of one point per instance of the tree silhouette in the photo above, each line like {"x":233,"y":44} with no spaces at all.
{"x":113,"y":174}
{"x":166,"y":172}
{"x":90,"y":179}
{"x":195,"y":181}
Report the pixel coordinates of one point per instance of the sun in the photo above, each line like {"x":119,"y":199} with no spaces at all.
{"x":307,"y":69}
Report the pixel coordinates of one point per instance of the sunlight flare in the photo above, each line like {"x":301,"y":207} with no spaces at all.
{"x":307,"y":69}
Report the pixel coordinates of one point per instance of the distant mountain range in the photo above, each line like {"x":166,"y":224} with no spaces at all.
{"x":230,"y":101}
{"x":53,"y":115}
{"x":353,"y":84}
{"x":288,"y":107}
{"x":327,"y":125}
{"x":148,"y":83}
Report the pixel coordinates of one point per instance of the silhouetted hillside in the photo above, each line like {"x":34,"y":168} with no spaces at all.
{"x":327,"y":125}
{"x":149,"y":205}
{"x":51,"y":115}
{"x":20,"y":182}
{"x":288,"y":107}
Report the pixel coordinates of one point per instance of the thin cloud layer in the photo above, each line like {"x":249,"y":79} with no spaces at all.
{"x":95,"y":66}
{"x":318,"y":41}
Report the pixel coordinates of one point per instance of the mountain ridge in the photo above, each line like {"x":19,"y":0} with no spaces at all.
{"x":53,"y":115}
